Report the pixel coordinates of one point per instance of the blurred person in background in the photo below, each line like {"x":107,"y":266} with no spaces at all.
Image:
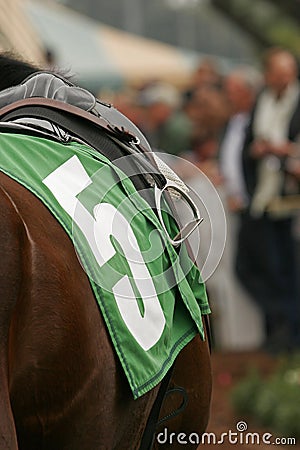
{"x":209,"y":120}
{"x":266,"y":260}
{"x":173,"y":120}
{"x":158,"y":102}
{"x":201,"y":115}
{"x":205,"y":75}
{"x":126,"y":101}
{"x":181,"y":127}
{"x":240,"y":87}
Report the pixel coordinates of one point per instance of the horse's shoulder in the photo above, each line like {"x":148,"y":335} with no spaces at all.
{"x":22,"y":207}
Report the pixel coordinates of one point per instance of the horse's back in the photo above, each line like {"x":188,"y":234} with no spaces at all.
{"x":62,"y":385}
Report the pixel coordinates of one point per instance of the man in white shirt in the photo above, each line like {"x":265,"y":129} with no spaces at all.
{"x":266,"y":261}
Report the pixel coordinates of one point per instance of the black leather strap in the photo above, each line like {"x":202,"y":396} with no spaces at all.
{"x":149,"y":433}
{"x":94,"y":135}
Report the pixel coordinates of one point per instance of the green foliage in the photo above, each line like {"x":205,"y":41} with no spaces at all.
{"x":286,"y":34}
{"x":269,"y":22}
{"x":273,"y":402}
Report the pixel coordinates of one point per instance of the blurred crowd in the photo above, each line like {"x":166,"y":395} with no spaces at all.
{"x":242,"y":130}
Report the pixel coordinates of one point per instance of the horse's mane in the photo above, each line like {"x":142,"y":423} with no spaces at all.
{"x":13,"y":71}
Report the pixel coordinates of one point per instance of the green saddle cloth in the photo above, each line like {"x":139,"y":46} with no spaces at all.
{"x":151,"y":296}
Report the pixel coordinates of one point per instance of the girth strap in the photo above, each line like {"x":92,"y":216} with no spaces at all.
{"x":149,"y":432}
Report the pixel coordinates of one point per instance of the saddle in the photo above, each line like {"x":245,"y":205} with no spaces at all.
{"x":77,"y":114}
{"x":45,"y":89}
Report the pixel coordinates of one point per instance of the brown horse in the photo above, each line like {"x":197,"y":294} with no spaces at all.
{"x":61,"y":384}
